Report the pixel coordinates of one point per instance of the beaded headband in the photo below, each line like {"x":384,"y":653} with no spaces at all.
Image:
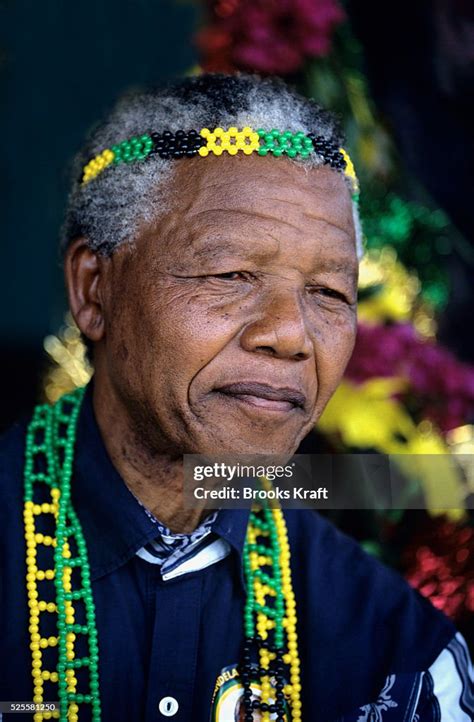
{"x":184,"y":144}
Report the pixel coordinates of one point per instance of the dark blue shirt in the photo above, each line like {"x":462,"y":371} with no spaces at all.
{"x":367,"y":641}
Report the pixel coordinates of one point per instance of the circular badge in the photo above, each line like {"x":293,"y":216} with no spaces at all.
{"x":228,"y":698}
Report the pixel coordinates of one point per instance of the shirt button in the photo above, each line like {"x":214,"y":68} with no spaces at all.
{"x":168,"y":706}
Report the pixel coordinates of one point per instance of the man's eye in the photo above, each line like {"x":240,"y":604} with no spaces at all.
{"x":328,"y":293}
{"x":229,"y":276}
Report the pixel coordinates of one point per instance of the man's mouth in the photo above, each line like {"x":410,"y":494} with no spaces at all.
{"x":263,"y":396}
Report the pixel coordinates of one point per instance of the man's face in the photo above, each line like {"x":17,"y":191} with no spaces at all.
{"x":228,"y":327}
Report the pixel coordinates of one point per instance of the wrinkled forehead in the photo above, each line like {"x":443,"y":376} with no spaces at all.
{"x":252,"y":180}
{"x":223,"y":196}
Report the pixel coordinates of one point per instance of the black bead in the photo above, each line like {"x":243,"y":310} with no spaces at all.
{"x":167,"y":134}
{"x":180,"y":134}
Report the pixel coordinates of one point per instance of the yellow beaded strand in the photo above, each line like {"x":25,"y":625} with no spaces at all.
{"x":231,"y":141}
{"x":349,"y":170}
{"x":97,"y":164}
{"x":261,"y":591}
{"x":289,"y":622}
{"x":36,"y":606}
{"x":33,"y":574}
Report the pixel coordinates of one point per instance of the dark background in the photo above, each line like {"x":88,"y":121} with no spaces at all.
{"x":62,"y":65}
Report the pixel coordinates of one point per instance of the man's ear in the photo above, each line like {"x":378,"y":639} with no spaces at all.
{"x":84,"y":276}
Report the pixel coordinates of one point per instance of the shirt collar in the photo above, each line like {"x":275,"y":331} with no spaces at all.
{"x":114,"y":523}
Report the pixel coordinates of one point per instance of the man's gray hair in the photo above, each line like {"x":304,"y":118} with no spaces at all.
{"x":110,"y":209}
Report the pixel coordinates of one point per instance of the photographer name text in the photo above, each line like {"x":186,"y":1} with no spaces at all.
{"x":247,"y":493}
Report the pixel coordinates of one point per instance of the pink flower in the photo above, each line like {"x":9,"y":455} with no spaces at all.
{"x":441,"y":388}
{"x":267,"y":36}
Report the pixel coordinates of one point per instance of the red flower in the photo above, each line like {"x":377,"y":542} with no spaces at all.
{"x":267,"y":36}
{"x":439,"y":563}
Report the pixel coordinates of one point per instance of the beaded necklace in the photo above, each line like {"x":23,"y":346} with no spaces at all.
{"x":269,"y":616}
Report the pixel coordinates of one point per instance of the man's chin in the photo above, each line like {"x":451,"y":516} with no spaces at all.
{"x":244,"y":442}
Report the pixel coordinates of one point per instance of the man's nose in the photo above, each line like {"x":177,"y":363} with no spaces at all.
{"x":281,"y":329}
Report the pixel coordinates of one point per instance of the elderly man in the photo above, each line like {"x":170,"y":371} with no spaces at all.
{"x":211,"y":249}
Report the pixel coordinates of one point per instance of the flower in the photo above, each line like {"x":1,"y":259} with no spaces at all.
{"x":440,"y":388}
{"x":439,"y":563}
{"x":267,"y":36}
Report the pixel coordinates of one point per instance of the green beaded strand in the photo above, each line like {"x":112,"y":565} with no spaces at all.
{"x":58,"y":475}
